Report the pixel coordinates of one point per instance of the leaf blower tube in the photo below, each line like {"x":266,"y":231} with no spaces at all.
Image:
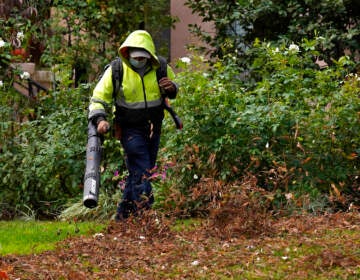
{"x":177,"y":120}
{"x":92,"y":171}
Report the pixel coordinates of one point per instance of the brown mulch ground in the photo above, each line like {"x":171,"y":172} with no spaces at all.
{"x":220,"y":248}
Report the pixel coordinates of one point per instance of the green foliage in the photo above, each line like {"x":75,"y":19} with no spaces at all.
{"x":298,"y":126}
{"x":43,"y":159}
{"x":239,"y":23}
{"x":87,"y":34}
{"x":104,"y":212}
{"x":310,"y":116}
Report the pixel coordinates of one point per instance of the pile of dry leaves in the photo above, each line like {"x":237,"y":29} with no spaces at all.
{"x":231,"y":241}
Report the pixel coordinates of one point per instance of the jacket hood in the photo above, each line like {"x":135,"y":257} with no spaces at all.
{"x":139,"y":39}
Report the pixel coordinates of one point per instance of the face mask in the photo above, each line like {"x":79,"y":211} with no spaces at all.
{"x":137,"y":63}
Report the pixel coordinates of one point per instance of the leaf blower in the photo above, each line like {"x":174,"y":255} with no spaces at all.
{"x":92,"y":171}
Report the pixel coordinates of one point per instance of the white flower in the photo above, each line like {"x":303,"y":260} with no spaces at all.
{"x":267,"y":145}
{"x":2,"y":43}
{"x":25,"y":75}
{"x":294,"y":48}
{"x":195,"y":263}
{"x":185,"y":59}
{"x":98,"y":235}
{"x":1,"y":83}
{"x":196,"y":177}
{"x":142,"y":237}
{"x":20,"y":35}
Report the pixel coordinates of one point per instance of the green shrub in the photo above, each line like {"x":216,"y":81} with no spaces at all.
{"x":292,"y":124}
{"x":43,"y":153}
{"x":42,"y":160}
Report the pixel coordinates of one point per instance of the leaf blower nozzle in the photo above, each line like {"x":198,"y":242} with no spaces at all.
{"x":92,"y":172}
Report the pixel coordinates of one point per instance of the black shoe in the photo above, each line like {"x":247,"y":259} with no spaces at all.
{"x":125,"y":210}
{"x":119,"y":217}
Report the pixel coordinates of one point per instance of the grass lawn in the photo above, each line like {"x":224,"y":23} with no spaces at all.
{"x":26,"y":237}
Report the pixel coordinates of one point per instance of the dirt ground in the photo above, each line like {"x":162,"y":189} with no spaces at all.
{"x":150,"y":247}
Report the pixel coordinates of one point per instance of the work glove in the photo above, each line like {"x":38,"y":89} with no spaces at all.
{"x":103,"y":127}
{"x":167,"y":85}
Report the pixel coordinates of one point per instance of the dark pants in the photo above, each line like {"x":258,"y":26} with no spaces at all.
{"x":141,"y":146}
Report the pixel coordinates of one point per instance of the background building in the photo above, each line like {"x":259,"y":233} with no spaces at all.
{"x":180,"y":37}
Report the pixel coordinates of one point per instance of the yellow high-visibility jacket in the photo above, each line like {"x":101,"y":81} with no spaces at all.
{"x":139,"y":98}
